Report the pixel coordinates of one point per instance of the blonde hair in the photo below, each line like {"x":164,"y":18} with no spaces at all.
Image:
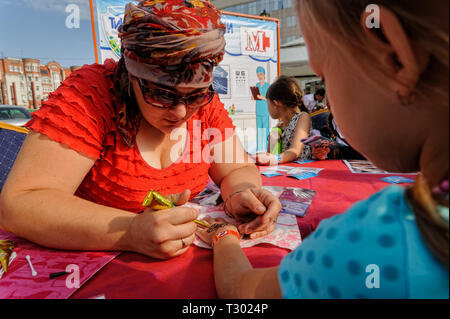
{"x":426,"y":23}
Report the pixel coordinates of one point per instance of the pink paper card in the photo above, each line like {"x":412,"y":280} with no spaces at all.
{"x":286,"y":233}
{"x":19,"y":283}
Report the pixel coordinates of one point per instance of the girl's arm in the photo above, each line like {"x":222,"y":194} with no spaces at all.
{"x":234,"y":276}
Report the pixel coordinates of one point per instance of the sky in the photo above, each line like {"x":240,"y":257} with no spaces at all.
{"x":37,"y":29}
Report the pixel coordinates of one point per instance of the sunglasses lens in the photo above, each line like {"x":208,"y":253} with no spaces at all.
{"x":161,"y":98}
{"x":166,"y":99}
{"x":199,"y":100}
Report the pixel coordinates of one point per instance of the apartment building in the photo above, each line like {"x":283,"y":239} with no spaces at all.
{"x":27,"y":83}
{"x":279,"y":9}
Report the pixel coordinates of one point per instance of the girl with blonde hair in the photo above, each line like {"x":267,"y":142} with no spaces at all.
{"x":389,"y":89}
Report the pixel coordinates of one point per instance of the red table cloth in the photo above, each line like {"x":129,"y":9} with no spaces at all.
{"x":190,"y":276}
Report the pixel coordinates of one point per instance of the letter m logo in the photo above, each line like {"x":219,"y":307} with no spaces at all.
{"x":257,"y":42}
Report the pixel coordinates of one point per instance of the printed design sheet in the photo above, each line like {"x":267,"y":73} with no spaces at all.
{"x":366,"y":167}
{"x":19,"y":283}
{"x":286,"y":233}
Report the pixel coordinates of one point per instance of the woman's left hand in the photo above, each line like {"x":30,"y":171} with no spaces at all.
{"x":217,"y":224}
{"x":256,"y":210}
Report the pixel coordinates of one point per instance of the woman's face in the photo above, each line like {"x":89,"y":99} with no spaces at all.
{"x":370,"y":116}
{"x":165,"y":120}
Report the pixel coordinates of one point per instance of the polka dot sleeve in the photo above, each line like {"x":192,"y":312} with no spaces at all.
{"x":360,"y":254}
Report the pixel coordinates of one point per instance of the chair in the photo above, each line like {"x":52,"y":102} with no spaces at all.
{"x":11,"y":140}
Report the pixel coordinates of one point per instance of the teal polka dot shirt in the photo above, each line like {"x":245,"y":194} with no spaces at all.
{"x":374,"y":250}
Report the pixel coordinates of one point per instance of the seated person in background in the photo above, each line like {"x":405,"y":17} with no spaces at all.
{"x":310,"y":101}
{"x":332,"y":132}
{"x":395,"y":244}
{"x":284,"y":99}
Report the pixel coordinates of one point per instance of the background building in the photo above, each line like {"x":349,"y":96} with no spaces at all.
{"x":27,"y":83}
{"x":293,"y":52}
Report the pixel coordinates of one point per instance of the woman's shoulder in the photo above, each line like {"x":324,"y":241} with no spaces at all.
{"x":88,"y":90}
{"x":95,"y":72}
{"x":81,"y":109}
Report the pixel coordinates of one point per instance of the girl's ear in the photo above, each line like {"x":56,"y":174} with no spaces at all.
{"x":400,"y":57}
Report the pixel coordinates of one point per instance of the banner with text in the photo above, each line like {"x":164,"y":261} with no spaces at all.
{"x":252,"y":47}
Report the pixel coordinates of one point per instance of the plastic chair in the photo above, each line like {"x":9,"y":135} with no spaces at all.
{"x":11,"y":140}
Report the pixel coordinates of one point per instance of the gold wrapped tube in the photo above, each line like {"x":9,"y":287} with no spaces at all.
{"x":6,"y":249}
{"x":156,"y":201}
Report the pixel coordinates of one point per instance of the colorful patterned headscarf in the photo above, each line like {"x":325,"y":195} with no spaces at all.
{"x":174,"y":43}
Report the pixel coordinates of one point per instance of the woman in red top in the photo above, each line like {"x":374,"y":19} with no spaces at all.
{"x":113,"y":132}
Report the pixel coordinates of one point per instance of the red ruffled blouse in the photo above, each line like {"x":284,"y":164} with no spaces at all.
{"x":82,"y":114}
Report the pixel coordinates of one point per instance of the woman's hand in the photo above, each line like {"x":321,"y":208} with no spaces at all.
{"x":163,"y":234}
{"x":167,"y":233}
{"x":266,"y":159}
{"x":217,"y":225}
{"x":256,"y":210}
{"x":321,"y":153}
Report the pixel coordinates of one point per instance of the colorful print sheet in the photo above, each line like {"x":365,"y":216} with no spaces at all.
{"x":19,"y":283}
{"x":366,"y":167}
{"x":286,"y":233}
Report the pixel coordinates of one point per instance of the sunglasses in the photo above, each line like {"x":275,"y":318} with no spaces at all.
{"x":165,"y":99}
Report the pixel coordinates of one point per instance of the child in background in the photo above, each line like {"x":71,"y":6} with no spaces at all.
{"x":284,"y":98}
{"x":396,"y":113}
